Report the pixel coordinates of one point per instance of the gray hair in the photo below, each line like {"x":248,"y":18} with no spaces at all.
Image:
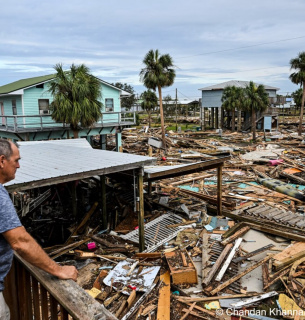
{"x":6,"y":148}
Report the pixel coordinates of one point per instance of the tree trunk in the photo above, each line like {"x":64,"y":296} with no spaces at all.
{"x":149,"y":119}
{"x":233,"y":120}
{"x":253,"y":124}
{"x":302,"y":111}
{"x":162,"y":118}
{"x":239,"y":121}
{"x":75,"y":133}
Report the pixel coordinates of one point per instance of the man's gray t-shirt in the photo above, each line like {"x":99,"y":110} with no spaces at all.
{"x":8,"y":220}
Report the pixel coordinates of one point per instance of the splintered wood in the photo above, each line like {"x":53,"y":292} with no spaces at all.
{"x":182,"y":270}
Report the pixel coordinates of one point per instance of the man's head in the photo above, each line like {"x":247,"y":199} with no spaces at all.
{"x":9,"y":160}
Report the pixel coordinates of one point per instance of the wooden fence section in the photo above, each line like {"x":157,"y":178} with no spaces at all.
{"x":33,"y":294}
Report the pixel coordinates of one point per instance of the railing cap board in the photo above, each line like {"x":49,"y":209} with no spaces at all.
{"x":72,"y":297}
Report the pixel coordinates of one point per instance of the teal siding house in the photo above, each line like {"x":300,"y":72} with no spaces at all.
{"x":25,"y":113}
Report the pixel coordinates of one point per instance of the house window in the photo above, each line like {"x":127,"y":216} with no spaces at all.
{"x":14,"y":107}
{"x":109,"y":104}
{"x":43,"y":106}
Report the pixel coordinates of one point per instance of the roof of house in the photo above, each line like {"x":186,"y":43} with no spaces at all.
{"x":181,"y":102}
{"x":46,"y":163}
{"x":24,"y":83}
{"x":236,"y":83}
{"x":28,"y":82}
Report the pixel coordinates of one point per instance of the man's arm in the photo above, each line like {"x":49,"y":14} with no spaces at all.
{"x":26,"y":246}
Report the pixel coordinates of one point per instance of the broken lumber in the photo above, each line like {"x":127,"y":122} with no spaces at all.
{"x":229,"y":259}
{"x":233,"y":279}
{"x":179,"y":273}
{"x":164,"y":298}
{"x":217,"y":264}
{"x":235,"y":235}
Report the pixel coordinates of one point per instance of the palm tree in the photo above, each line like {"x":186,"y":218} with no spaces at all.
{"x":76,"y":95}
{"x":158,"y":73}
{"x":298,"y":77}
{"x":256,"y":99}
{"x":149,"y":103}
{"x":232,"y":99}
{"x":297,"y":98}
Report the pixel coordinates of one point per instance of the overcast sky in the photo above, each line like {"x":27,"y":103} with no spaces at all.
{"x":210,"y":41}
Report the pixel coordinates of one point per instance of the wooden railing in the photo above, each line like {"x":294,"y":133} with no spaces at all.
{"x":33,"y":294}
{"x":45,"y":122}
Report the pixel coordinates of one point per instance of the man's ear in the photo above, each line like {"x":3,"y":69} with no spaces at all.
{"x":2,"y":158}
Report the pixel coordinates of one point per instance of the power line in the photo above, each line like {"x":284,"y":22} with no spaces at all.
{"x":238,"y":48}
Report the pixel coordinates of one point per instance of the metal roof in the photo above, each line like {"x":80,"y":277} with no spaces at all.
{"x":49,"y":162}
{"x":162,"y":172}
{"x":29,"y":82}
{"x":24,"y":83}
{"x":236,"y":83}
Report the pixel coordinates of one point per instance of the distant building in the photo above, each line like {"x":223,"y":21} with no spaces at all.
{"x":211,"y":98}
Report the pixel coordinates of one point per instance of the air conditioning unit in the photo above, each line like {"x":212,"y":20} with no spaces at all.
{"x":44,"y":111}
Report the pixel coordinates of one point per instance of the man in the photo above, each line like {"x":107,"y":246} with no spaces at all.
{"x":13,"y":235}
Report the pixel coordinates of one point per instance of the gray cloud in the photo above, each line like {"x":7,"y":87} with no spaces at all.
{"x":210,"y":41}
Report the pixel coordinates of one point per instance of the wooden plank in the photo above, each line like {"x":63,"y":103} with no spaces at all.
{"x":36,"y":298}
{"x":44,"y":303}
{"x":207,"y":280}
{"x":188,"y":311}
{"x":83,"y":222}
{"x":290,"y":251}
{"x":53,"y":308}
{"x":68,"y":294}
{"x":235,"y":235}
{"x":253,"y":253}
{"x":140,"y":205}
{"x":233,"y":279}
{"x":193,"y":313}
{"x":282,"y":231}
{"x":63,"y":314}
{"x":164,"y":298}
{"x":219,"y":190}
{"x":229,"y":259}
{"x":206,"y":299}
{"x":205,"y":255}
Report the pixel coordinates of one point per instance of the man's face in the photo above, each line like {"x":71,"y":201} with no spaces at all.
{"x":9,"y":166}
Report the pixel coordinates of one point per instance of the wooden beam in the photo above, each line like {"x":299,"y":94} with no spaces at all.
{"x":229,"y":259}
{"x":164,"y":298}
{"x":235,"y":235}
{"x":104,"y":202}
{"x":233,"y":279}
{"x":217,"y":264}
{"x":68,"y":294}
{"x":140,"y":202}
{"x":219,"y":190}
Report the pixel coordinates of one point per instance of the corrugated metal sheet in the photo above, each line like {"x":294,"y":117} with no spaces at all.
{"x":43,"y":161}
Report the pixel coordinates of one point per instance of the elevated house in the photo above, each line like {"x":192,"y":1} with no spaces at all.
{"x":25,"y":113}
{"x":211,"y":100}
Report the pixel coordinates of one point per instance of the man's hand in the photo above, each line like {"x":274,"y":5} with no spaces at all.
{"x":67,"y":272}
{"x":25,"y":245}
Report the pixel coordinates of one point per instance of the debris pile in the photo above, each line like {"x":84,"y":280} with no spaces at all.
{"x":248,"y":263}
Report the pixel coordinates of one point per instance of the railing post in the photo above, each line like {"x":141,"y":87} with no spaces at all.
{"x":134,"y":117}
{"x":15,"y":123}
{"x":41,"y":125}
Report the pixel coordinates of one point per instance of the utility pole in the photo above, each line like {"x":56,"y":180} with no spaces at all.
{"x":176,"y":113}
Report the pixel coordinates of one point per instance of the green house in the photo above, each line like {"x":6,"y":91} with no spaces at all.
{"x":25,"y":112}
